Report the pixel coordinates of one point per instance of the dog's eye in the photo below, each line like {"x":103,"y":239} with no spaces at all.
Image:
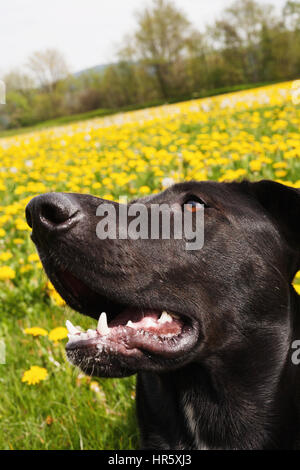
{"x":194,"y":205}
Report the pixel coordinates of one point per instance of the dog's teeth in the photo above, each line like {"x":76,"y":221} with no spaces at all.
{"x":102,"y":326}
{"x":130,"y":324}
{"x":91,"y":333}
{"x":71,"y":328}
{"x":72,"y":338}
{"x":165,"y":318}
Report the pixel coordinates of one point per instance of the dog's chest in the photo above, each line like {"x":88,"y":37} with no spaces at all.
{"x":191,"y":419}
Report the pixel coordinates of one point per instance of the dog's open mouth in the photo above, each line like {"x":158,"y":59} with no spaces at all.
{"x":151,"y":331}
{"x":124,"y":330}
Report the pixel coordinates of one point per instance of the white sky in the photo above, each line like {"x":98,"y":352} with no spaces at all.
{"x":88,"y":32}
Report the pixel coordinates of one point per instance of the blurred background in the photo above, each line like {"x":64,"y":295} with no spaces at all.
{"x":64,"y":58}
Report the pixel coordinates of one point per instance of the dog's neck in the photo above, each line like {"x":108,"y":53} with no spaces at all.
{"x":222,"y":412}
{"x":241,"y":396}
{"x":242,"y":399}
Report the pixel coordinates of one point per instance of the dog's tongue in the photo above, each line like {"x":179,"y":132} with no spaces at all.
{"x":147,"y":320}
{"x":133,"y":315}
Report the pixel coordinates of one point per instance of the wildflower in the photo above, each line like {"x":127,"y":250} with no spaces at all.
{"x":96,"y":388}
{"x":35,"y":331}
{"x":280,"y":165}
{"x":5,"y":256}
{"x":280,"y":173}
{"x":166,"y":182}
{"x":144,"y":190}
{"x":6,"y":272}
{"x":255,"y":165}
{"x":108,"y":197}
{"x":18,"y":241}
{"x":25,"y":268}
{"x":22,"y":225}
{"x":33,"y":257}
{"x":58,"y":300}
{"x":49,"y":420}
{"x":35,"y":375}
{"x":58,"y":333}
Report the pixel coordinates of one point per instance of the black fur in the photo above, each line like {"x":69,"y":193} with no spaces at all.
{"x":237,"y":388}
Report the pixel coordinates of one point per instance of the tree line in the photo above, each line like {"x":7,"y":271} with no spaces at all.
{"x":165,"y":59}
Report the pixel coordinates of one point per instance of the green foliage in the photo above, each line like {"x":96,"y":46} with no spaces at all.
{"x":60,"y":121}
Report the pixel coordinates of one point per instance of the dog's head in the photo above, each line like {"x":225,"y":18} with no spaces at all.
{"x":167,"y":306}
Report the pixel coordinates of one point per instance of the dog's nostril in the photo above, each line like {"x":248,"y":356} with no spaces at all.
{"x":54,"y":213}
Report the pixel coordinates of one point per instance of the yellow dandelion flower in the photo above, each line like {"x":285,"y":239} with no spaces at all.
{"x":6,"y":272}
{"x":108,"y":197}
{"x":18,"y":241}
{"x":297,"y":288}
{"x":35,"y":375}
{"x":144,"y":190}
{"x":280,"y":165}
{"x":58,"y":333}
{"x":21,"y":225}
{"x":33,"y":257}
{"x":255,"y":165}
{"x":57,"y":299}
{"x":25,"y":268}
{"x":280,"y":173}
{"x":5,"y":256}
{"x":35,"y":331}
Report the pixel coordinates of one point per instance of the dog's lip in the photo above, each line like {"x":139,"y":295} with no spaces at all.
{"x":159,"y":334}
{"x":182,"y":336}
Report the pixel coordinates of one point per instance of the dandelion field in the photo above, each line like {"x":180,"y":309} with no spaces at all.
{"x":45,"y":402}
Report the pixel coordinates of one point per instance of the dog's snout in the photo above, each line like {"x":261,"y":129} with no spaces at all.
{"x":52,"y":212}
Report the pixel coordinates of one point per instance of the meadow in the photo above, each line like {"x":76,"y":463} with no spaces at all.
{"x":45,"y":402}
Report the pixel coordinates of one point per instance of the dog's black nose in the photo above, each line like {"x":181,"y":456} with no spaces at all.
{"x":52,"y":212}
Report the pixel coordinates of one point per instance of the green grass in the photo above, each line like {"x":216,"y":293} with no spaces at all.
{"x":96,"y":113}
{"x":78,"y":417}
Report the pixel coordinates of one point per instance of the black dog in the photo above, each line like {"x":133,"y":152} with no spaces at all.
{"x":215,"y":370}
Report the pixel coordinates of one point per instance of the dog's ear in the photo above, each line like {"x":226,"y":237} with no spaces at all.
{"x":283,"y":205}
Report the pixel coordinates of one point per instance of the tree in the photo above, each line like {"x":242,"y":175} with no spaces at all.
{"x":18,"y":81}
{"x":160,"y":42}
{"x":291,"y":15}
{"x":238,"y":34}
{"x":48,"y":67}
